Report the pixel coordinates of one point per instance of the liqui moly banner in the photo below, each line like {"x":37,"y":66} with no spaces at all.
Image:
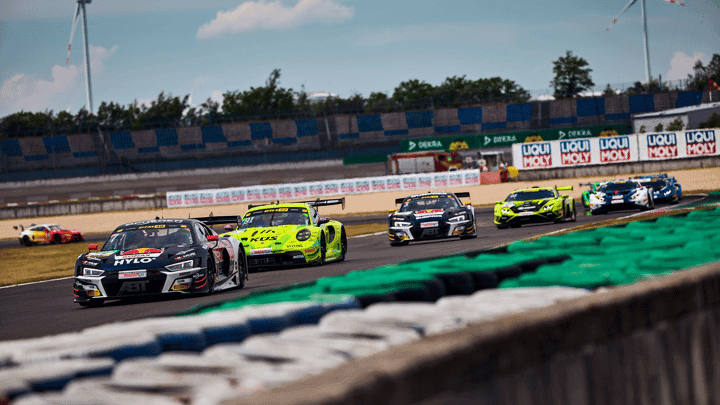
{"x":306,"y":191}
{"x":660,"y":146}
{"x":536,"y":155}
{"x":576,"y":152}
{"x":617,"y":149}
{"x":700,"y":142}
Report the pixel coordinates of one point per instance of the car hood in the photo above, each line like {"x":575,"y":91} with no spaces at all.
{"x":267,"y":237}
{"x":528,"y":205}
{"x":137,"y":258}
{"x":427,"y":215}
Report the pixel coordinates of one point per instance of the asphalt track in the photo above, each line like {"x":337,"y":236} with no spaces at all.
{"x":47,"y":308}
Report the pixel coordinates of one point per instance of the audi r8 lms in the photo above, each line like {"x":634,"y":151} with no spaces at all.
{"x":46,"y":234}
{"x":664,"y":189}
{"x":621,"y":195}
{"x":182,"y":256}
{"x":431,"y":216}
{"x":284,"y":234}
{"x":535,"y":205}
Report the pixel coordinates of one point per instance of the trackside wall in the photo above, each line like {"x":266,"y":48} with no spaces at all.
{"x":654,"y":342}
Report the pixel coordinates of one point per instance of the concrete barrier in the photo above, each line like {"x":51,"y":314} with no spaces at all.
{"x":656,"y":341}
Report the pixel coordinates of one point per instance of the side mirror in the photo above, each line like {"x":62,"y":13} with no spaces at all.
{"x":323,"y":220}
{"x":213,"y":238}
{"x":229,"y":227}
{"x":564,"y":196}
{"x":93,"y":246}
{"x":468,"y":203}
{"x":499,"y":202}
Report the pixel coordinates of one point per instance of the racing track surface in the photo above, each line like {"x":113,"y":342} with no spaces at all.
{"x":46,"y":308}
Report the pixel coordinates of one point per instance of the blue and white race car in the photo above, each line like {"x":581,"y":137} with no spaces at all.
{"x":431,"y":216}
{"x":665,"y":189}
{"x":621,"y":195}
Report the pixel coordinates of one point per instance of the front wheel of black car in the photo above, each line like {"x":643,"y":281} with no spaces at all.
{"x":210,"y":274}
{"x":472,"y":235}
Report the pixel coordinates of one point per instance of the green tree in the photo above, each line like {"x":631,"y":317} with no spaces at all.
{"x":411,"y":91}
{"x":572,"y":76}
{"x":712,"y":122}
{"x":676,"y":125}
{"x":609,"y":92}
{"x":378,"y":102}
{"x":698,"y":80}
{"x":659,"y":127}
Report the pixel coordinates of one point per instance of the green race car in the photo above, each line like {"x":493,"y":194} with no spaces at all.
{"x":586,"y":194}
{"x":285,"y":234}
{"x":534,"y":205}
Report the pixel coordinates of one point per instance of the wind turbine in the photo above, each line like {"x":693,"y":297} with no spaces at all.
{"x":645,"y":31}
{"x":80,"y":8}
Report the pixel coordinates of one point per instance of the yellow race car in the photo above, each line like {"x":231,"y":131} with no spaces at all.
{"x":534,"y":205}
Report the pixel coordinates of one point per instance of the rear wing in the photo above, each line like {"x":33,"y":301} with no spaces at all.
{"x":228,"y":219}
{"x":22,"y":227}
{"x":400,"y":200}
{"x":462,"y":195}
{"x":564,"y":188}
{"x":313,"y":203}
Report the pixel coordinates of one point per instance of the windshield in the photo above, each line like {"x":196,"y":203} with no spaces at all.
{"x":437,"y":202}
{"x":269,"y":218}
{"x":56,"y":228}
{"x":609,"y":187}
{"x":655,"y":185}
{"x":149,"y":238}
{"x":530,"y":195}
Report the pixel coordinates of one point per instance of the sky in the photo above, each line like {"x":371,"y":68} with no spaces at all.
{"x":206,"y":48}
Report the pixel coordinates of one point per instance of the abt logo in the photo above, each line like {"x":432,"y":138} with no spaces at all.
{"x":700,"y":142}
{"x":662,"y":146}
{"x":615,"y":149}
{"x":536,"y":155}
{"x":575,"y":152}
{"x":133,"y":287}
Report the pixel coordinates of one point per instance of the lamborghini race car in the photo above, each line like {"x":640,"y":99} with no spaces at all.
{"x":621,"y":195}
{"x":159,"y":256}
{"x":535,"y":205}
{"x":46,"y":234}
{"x":664,"y":189}
{"x":276,"y":235}
{"x":431,"y":216}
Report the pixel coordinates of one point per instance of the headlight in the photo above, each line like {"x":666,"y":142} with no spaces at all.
{"x":186,"y":265}
{"x":92,"y":272}
{"x":547,"y":207}
{"x":401,"y":224}
{"x":303,"y":235}
{"x":458,"y":218}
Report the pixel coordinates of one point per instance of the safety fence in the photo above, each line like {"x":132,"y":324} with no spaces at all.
{"x":295,"y":191}
{"x":616,"y":149}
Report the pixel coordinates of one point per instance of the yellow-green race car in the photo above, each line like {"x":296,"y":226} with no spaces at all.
{"x":286,"y":234}
{"x":535,"y":205}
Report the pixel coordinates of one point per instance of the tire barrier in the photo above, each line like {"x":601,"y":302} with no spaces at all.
{"x":261,"y":345}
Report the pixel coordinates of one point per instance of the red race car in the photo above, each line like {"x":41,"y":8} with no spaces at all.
{"x":46,"y":234}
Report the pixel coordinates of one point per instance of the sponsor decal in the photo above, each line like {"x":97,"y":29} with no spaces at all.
{"x":133,"y":287}
{"x":432,"y":224}
{"x":132,"y":274}
{"x":101,"y":254}
{"x":378,"y":185}
{"x":155,"y":221}
{"x":700,"y":142}
{"x":207,"y":198}
{"x":185,"y":256}
{"x":263,"y":239}
{"x":429,"y":232}
{"x":180,"y":287}
{"x":614,"y":149}
{"x":433,"y":211}
{"x":260,"y":251}
{"x":136,"y":260}
{"x":458,"y":145}
{"x":149,"y":227}
{"x":142,"y":252}
{"x":536,"y":155}
{"x":662,"y":146}
{"x":575,"y":152}
{"x":269,"y":210}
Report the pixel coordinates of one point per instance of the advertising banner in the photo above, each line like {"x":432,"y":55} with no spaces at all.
{"x":347,"y":186}
{"x":316,"y":189}
{"x":440,"y":180}
{"x":300,"y":191}
{"x":378,"y":184}
{"x":191,"y":199}
{"x":222,"y":196}
{"x":238,"y":195}
{"x":269,"y":193}
{"x":331,"y":188}
{"x":576,"y":152}
{"x":285,"y":192}
{"x":174,"y":199}
{"x":393,"y":183}
{"x":409,"y":182}
{"x":254,"y":194}
{"x":207,"y":197}
{"x":676,"y":145}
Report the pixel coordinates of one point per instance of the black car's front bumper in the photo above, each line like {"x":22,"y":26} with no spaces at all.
{"x":418,"y":231}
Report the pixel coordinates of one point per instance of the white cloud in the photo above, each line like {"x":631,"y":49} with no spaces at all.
{"x":22,"y":92}
{"x":681,"y":65}
{"x":274,"y":15}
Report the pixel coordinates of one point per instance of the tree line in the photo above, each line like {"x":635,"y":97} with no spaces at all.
{"x":572,"y":76}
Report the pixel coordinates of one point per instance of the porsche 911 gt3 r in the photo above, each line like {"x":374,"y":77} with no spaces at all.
{"x":47,"y":234}
{"x":158,"y":256}
{"x":535,"y":205}
{"x":286,"y":234}
{"x":621,"y":195}
{"x":431,"y":216}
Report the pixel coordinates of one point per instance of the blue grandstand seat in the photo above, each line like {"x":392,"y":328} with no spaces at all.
{"x":519,"y":112}
{"x":562,"y":120}
{"x":419,"y":119}
{"x":448,"y":128}
{"x":10,"y":147}
{"x":213,"y":134}
{"x":166,"y":137}
{"x":469,"y":116}
{"x":590,"y":107}
{"x":396,"y":132}
{"x":494,"y":125}
{"x":122,"y":140}
{"x":688,"y":98}
{"x":641,"y":103}
{"x":307,"y":127}
{"x":260,"y":130}
{"x":56,"y":144}
{"x":369,"y":123}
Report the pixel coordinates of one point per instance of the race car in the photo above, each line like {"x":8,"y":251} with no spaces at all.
{"x":158,"y":256}
{"x":46,"y":234}
{"x":586,"y":194}
{"x":285,"y":234}
{"x":431,"y":216}
{"x":621,"y":195}
{"x":664,"y":189}
{"x":535,"y":205}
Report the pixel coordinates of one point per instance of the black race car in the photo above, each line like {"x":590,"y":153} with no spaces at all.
{"x":183,"y":256}
{"x":431,"y":216}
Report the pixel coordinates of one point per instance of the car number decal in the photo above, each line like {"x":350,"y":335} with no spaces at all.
{"x":432,"y":224}
{"x":132,"y":274}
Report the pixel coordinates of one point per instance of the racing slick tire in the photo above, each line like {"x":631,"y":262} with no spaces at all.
{"x":26,"y":241}
{"x":472,"y":235}
{"x":651,"y":203}
{"x":210,"y":274}
{"x":57,"y":239}
{"x":343,"y":245}
{"x":573,"y":218}
{"x":242,"y":272}
{"x":323,"y":249}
